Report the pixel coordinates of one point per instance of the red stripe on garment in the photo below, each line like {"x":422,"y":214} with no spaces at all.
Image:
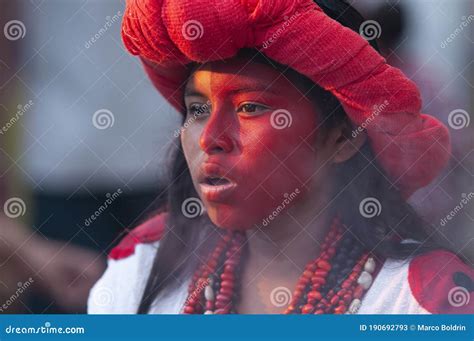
{"x":150,"y":231}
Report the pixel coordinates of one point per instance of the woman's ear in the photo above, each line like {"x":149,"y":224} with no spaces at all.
{"x":345,"y":140}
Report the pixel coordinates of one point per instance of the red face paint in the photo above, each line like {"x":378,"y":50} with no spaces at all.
{"x":250,"y":150}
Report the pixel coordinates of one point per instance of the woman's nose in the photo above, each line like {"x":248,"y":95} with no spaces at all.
{"x":217,"y":136}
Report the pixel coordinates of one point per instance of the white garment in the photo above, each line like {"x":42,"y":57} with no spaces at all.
{"x":120,"y":289}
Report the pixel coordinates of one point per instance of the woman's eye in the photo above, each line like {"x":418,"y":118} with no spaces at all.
{"x":252,"y":108}
{"x":197,"y":109}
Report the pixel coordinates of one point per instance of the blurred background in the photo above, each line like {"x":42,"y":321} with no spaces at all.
{"x":84,"y":136}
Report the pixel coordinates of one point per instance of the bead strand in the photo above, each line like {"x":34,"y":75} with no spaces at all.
{"x":223,"y":299}
{"x":314,"y":275}
{"x":332,"y":283}
{"x":199,"y":286}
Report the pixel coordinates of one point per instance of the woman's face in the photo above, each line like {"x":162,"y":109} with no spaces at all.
{"x":249,"y":141}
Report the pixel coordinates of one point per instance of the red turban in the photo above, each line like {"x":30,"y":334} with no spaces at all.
{"x":169,"y":34}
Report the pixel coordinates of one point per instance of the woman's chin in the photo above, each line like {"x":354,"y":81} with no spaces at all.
{"x":231,"y":219}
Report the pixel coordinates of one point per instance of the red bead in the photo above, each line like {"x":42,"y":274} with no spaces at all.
{"x":227,"y":276}
{"x":347,"y":298}
{"x":324,"y":265}
{"x":226,"y":291}
{"x":223,"y":298}
{"x":188,"y":310}
{"x":346,"y":284}
{"x":231,"y":261}
{"x":353,"y":276}
{"x":307,"y":274}
{"x":307,"y":309}
{"x":342,"y":292}
{"x":227,"y":284}
{"x":320,"y":273}
{"x":229,"y":268}
{"x":209,"y":305}
{"x":221,"y":311}
{"x":334,"y":300}
{"x":315,"y":295}
{"x":300,"y":286}
{"x":319,"y":312}
{"x":340,"y":310}
{"x":318,"y":279}
{"x":303,"y":280}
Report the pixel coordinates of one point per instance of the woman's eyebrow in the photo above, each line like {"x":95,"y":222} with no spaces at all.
{"x":262,"y":88}
{"x":193,"y":93}
{"x":234,"y":90}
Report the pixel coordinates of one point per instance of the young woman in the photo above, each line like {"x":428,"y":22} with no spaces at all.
{"x":298,"y":150}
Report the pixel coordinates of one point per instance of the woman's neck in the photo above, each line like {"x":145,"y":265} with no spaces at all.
{"x":295,"y":235}
{"x":278,"y":253}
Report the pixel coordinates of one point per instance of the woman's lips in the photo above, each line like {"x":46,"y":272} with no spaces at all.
{"x":217,"y":192}
{"x":214,"y":182}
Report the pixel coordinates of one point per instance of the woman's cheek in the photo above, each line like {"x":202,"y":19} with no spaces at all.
{"x":275,"y":166}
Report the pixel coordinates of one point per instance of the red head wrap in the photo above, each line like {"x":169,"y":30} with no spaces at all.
{"x":412,"y":147}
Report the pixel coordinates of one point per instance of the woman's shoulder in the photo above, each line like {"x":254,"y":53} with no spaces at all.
{"x":149,"y":232}
{"x":436,"y":282}
{"x":120,"y":288}
{"x":442,"y":283}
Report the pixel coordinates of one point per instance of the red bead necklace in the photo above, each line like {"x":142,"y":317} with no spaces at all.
{"x":333,"y":283}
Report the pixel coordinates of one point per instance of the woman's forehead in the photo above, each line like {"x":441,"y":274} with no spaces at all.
{"x":237,"y":74}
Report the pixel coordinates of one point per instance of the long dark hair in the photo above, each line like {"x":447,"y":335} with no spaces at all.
{"x":186,"y":241}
